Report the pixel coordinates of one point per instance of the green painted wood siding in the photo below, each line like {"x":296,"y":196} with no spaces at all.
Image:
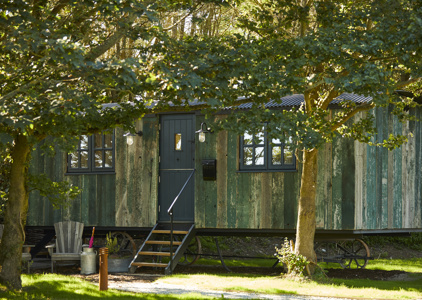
{"x":359,"y":186}
{"x":125,"y":199}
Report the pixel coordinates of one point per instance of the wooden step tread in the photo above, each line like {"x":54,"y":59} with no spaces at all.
{"x":168,"y":231}
{"x":148,"y":264}
{"x":154,"y":253}
{"x":162,"y":243}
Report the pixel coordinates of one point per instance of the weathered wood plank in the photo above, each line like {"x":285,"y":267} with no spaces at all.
{"x":277,"y":203}
{"x":360,"y":175}
{"x":338,"y":149}
{"x":290,"y":199}
{"x":232,"y":179}
{"x":418,"y":168}
{"x":324,"y":188}
{"x":383,"y":205}
{"x":222,"y":171}
{"x":265,"y":205}
{"x":397,"y":185}
{"x":371,"y":162}
{"x":210,"y":147}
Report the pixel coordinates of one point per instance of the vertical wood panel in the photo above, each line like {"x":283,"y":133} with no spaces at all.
{"x":397,"y":179}
{"x":200,"y":197}
{"x":324,"y":188}
{"x":222,"y":171}
{"x":348,"y":185}
{"x":371,"y":162}
{"x":209,"y":187}
{"x":147,"y":206}
{"x":266,"y":201}
{"x":418,"y":174}
{"x":291,"y":199}
{"x":360,"y":174}
{"x":383,"y":205}
{"x":277,"y":207}
{"x":232,"y":179}
{"x":243,"y":199}
{"x":409,"y":178}
{"x":337,"y":182}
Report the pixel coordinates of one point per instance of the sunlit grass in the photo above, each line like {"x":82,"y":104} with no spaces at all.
{"x":413,"y":265}
{"x":54,"y":286}
{"x":256,"y":262}
{"x":279,"y":285}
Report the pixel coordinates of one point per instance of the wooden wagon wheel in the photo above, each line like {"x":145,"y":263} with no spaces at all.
{"x":192,"y":253}
{"x":125,"y":241}
{"x":355,"y":254}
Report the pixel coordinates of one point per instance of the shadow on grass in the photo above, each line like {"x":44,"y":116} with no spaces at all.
{"x":70,"y":288}
{"x":411,"y":285}
{"x":266,"y":291}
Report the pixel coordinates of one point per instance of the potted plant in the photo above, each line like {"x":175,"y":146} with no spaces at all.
{"x":119,"y":258}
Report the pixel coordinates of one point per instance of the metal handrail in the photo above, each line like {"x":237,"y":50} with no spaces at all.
{"x":170,"y":212}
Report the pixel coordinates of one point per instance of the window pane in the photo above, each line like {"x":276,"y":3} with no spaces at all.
{"x":84,"y":142}
{"x":247,"y":156}
{"x":288,"y":156}
{"x":98,"y":140}
{"x":276,"y":141}
{"x":260,"y":137}
{"x":98,"y":159}
{"x":259,"y":156}
{"x":108,"y":140}
{"x":247,"y":138}
{"x":276,"y":155}
{"x":74,"y":160}
{"x":84,"y":159}
{"x":108,"y":159}
{"x":178,"y":142}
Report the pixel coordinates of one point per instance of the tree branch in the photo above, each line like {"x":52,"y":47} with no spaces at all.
{"x":407,"y":82}
{"x":110,"y":42}
{"x":348,"y":116}
{"x":62,"y":4}
{"x":22,"y":88}
{"x":183,"y":18}
{"x":330,"y":97}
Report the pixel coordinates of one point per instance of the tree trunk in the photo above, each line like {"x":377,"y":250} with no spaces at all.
{"x":306,"y":209}
{"x":15,"y":216}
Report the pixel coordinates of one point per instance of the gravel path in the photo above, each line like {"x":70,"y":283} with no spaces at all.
{"x":164,"y":288}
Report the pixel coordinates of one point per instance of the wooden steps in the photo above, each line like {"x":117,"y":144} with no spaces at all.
{"x":155,"y":253}
{"x":167,"y":243}
{"x":168,"y":231}
{"x":147,"y":264}
{"x":156,"y":247}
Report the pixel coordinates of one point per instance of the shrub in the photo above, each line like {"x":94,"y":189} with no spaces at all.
{"x":296,"y":263}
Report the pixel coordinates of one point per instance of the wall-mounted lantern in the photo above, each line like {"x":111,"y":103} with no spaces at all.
{"x":129,"y":136}
{"x":204,"y":129}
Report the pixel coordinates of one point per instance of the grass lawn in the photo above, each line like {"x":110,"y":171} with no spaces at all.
{"x":53,"y":286}
{"x":358,"y":288}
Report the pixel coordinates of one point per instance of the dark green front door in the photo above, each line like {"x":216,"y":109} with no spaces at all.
{"x":177,"y":148}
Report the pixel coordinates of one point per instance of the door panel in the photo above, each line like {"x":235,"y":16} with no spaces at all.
{"x":177,"y":146}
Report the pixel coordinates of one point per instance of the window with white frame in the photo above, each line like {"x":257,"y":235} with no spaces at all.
{"x":260,"y":153}
{"x":94,"y":154}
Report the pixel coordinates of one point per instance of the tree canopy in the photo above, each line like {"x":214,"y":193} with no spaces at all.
{"x":61,"y":61}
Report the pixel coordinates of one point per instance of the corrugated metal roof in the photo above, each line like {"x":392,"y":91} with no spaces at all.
{"x":298,"y":99}
{"x":288,"y":101}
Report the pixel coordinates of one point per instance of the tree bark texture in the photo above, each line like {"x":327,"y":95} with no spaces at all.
{"x":307,"y":208}
{"x":15,"y":216}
